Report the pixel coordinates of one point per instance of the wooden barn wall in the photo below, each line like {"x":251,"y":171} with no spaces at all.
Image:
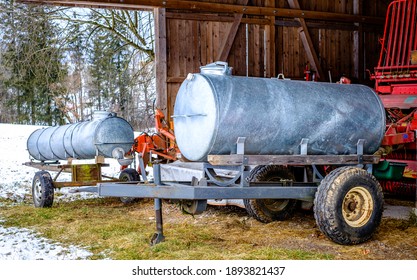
{"x":193,"y":41}
{"x":334,"y":46}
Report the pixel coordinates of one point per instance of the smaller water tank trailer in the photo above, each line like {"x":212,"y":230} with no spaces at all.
{"x":104,"y":136}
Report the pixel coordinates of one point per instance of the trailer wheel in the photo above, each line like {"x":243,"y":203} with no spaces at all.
{"x":42,"y":189}
{"x":194,"y":207}
{"x":268,"y":210}
{"x":348,"y":205}
{"x":129,"y":175}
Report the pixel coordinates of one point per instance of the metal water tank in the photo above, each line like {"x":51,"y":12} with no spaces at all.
{"x":214,"y":108}
{"x":84,"y":140}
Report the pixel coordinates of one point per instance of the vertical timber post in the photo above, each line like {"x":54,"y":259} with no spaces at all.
{"x":270,"y":52}
{"x":158,"y":237}
{"x":358,"y":44}
{"x":161,"y":71}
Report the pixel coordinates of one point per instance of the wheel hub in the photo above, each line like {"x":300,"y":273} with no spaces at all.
{"x":275,"y":204}
{"x":37,"y":191}
{"x":357,"y":207}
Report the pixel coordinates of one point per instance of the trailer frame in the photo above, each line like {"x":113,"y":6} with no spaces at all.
{"x":193,"y":195}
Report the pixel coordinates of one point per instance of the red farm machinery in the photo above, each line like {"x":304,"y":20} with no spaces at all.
{"x":396,"y":83}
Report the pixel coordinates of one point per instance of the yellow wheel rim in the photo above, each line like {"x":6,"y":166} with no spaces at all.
{"x":357,"y":207}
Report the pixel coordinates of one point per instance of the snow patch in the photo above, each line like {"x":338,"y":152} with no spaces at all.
{"x":24,"y":244}
{"x":16,"y":184}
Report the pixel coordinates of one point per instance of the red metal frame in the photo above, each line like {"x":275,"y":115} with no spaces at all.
{"x":396,"y":83}
{"x":395,"y":73}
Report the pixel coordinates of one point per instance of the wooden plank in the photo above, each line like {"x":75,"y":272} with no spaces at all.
{"x":290,"y":159}
{"x":215,"y":17}
{"x":48,"y":167}
{"x":270,"y":50}
{"x":212,"y":7}
{"x":285,"y":54}
{"x":307,"y":42}
{"x":181,"y":47}
{"x":203,"y":42}
{"x":174,"y":53}
{"x":209,"y":37}
{"x":291,"y":57}
{"x":173,"y":90}
{"x":59,"y":185}
{"x":227,"y":44}
{"x":358,"y":54}
{"x":324,"y":25}
{"x":280,"y":45}
{"x":196,"y":48}
{"x":250,"y":50}
{"x":161,"y":60}
{"x":237,"y":57}
{"x":216,"y":40}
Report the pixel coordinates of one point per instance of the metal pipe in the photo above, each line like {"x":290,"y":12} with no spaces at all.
{"x":159,"y":235}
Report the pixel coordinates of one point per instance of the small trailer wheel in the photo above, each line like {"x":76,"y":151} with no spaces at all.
{"x":194,"y":207}
{"x":269,"y":210}
{"x":348,"y":205}
{"x":129,"y":175}
{"x":42,"y":189}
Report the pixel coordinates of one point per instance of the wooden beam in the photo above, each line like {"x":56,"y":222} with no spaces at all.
{"x":307,"y":42}
{"x":212,"y":7}
{"x":227,"y":45}
{"x":358,"y":55}
{"x":214,"y":17}
{"x":270,"y":52}
{"x":290,"y":159}
{"x":175,"y":80}
{"x":326,"y":25}
{"x":161,"y":60}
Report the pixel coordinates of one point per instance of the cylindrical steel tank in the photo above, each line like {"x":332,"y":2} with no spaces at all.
{"x":84,"y":140}
{"x":213,"y":108}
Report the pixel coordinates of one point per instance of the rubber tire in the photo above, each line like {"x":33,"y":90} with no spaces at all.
{"x":43,"y":197}
{"x":258,"y":208}
{"x":329,"y":199}
{"x":129,"y":175}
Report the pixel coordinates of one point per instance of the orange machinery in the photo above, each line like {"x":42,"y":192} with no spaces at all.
{"x":160,"y":143}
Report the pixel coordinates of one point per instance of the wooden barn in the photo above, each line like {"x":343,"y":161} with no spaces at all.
{"x":320,"y":40}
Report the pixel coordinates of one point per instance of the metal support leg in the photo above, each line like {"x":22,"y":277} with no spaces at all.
{"x":359,"y":150}
{"x":142,"y":169}
{"x":158,"y":236}
{"x":303,"y":146}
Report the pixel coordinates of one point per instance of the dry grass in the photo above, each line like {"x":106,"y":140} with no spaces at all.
{"x":111,"y":229}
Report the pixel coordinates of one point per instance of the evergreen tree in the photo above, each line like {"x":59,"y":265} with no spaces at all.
{"x":32,"y":59}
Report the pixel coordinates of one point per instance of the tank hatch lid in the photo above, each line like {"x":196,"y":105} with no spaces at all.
{"x":216,"y":68}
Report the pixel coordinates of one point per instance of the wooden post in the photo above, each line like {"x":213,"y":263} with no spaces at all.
{"x":358,"y":56}
{"x":270,"y":55}
{"x":161,"y":71}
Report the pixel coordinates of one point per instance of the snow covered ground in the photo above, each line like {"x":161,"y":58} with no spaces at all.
{"x":15,"y":184}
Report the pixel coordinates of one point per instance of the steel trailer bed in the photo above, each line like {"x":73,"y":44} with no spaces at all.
{"x":194,"y":193}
